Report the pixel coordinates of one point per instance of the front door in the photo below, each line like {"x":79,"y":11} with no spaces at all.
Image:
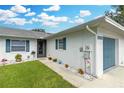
{"x":108,"y":53}
{"x":41,"y":48}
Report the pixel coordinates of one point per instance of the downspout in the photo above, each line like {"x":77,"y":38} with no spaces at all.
{"x":89,"y":29}
{"x":93,"y":32}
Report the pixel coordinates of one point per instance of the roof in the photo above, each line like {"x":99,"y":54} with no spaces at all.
{"x":11,"y":32}
{"x":41,"y":35}
{"x":92,"y":23}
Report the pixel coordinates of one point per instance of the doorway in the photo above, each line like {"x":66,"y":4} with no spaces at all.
{"x":41,"y":48}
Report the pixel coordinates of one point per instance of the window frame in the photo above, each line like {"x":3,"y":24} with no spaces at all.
{"x":60,"y":43}
{"x":17,"y":45}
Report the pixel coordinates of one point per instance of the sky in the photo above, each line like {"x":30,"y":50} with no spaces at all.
{"x":52,"y":18}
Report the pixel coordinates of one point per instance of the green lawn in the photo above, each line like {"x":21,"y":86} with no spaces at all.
{"x":30,"y":75}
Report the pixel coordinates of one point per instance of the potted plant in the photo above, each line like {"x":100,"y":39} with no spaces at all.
{"x":55,"y":60}
{"x":50,"y":58}
{"x":66,"y":65}
{"x":80,"y":71}
{"x":28,"y":57}
{"x":4,"y":61}
{"x":33,"y":53}
{"x":18,"y":58}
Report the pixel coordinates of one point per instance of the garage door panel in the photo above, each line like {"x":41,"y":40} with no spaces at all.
{"x":108,"y":52}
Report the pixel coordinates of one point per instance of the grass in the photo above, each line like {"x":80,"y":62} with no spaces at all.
{"x":31,"y":74}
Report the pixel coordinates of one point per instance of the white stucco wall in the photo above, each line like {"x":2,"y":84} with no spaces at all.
{"x":75,"y":40}
{"x":11,"y":55}
{"x":72,"y":54}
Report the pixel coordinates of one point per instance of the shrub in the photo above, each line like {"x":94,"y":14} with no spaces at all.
{"x":66,"y":65}
{"x":55,"y":60}
{"x":80,"y":71}
{"x":18,"y":57}
{"x":50,"y":58}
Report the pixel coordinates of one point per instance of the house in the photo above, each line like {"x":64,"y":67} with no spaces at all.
{"x":17,"y":41}
{"x":95,"y":46}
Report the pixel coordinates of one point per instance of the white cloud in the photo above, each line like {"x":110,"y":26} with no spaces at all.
{"x":76,"y":16}
{"x":35,"y":19}
{"x":28,"y":10}
{"x":7,"y":14}
{"x":79,"y":21}
{"x":84,"y":13}
{"x":18,"y":21}
{"x":71,"y":21}
{"x":45,"y":22}
{"x":50,"y":23}
{"x":19,"y":9}
{"x":10,"y":17}
{"x":53,"y":8}
{"x":60,"y":19}
{"x":30,"y":14}
{"x":45,"y":16}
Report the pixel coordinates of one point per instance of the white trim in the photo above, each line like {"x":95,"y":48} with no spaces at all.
{"x":114,"y":23}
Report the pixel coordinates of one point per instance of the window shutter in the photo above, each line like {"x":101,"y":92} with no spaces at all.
{"x":27,"y":46}
{"x":7,"y":45}
{"x":64,"y":45}
{"x":56,"y":43}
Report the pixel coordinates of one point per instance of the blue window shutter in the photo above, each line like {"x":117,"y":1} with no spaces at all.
{"x":56,"y":43}
{"x":27,"y":46}
{"x":7,"y":45}
{"x":64,"y":45}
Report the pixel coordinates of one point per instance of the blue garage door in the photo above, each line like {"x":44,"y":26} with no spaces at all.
{"x":108,"y":52}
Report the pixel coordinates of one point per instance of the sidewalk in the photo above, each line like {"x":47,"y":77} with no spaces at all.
{"x":71,"y":77}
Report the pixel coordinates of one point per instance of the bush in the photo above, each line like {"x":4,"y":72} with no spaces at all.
{"x":80,"y":71}
{"x":55,"y":60}
{"x":66,"y":65}
{"x":50,"y":58}
{"x":18,"y":57}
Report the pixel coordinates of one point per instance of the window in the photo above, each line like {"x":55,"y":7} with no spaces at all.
{"x":61,"y":43}
{"x":18,"y":45}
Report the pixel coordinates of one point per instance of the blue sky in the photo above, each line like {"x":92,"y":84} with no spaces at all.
{"x":51,"y":18}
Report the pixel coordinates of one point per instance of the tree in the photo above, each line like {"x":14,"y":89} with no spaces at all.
{"x":39,"y":30}
{"x":118,"y":15}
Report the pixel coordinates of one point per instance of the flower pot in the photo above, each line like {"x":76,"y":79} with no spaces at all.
{"x":18,"y":60}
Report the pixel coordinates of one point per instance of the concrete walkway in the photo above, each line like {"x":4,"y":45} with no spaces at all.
{"x":111,"y":79}
{"x":74,"y":78}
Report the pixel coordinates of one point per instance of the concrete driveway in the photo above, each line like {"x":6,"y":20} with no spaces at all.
{"x":111,"y":79}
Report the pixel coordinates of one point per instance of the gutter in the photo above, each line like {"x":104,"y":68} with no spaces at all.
{"x":109,"y":20}
{"x":90,"y":30}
